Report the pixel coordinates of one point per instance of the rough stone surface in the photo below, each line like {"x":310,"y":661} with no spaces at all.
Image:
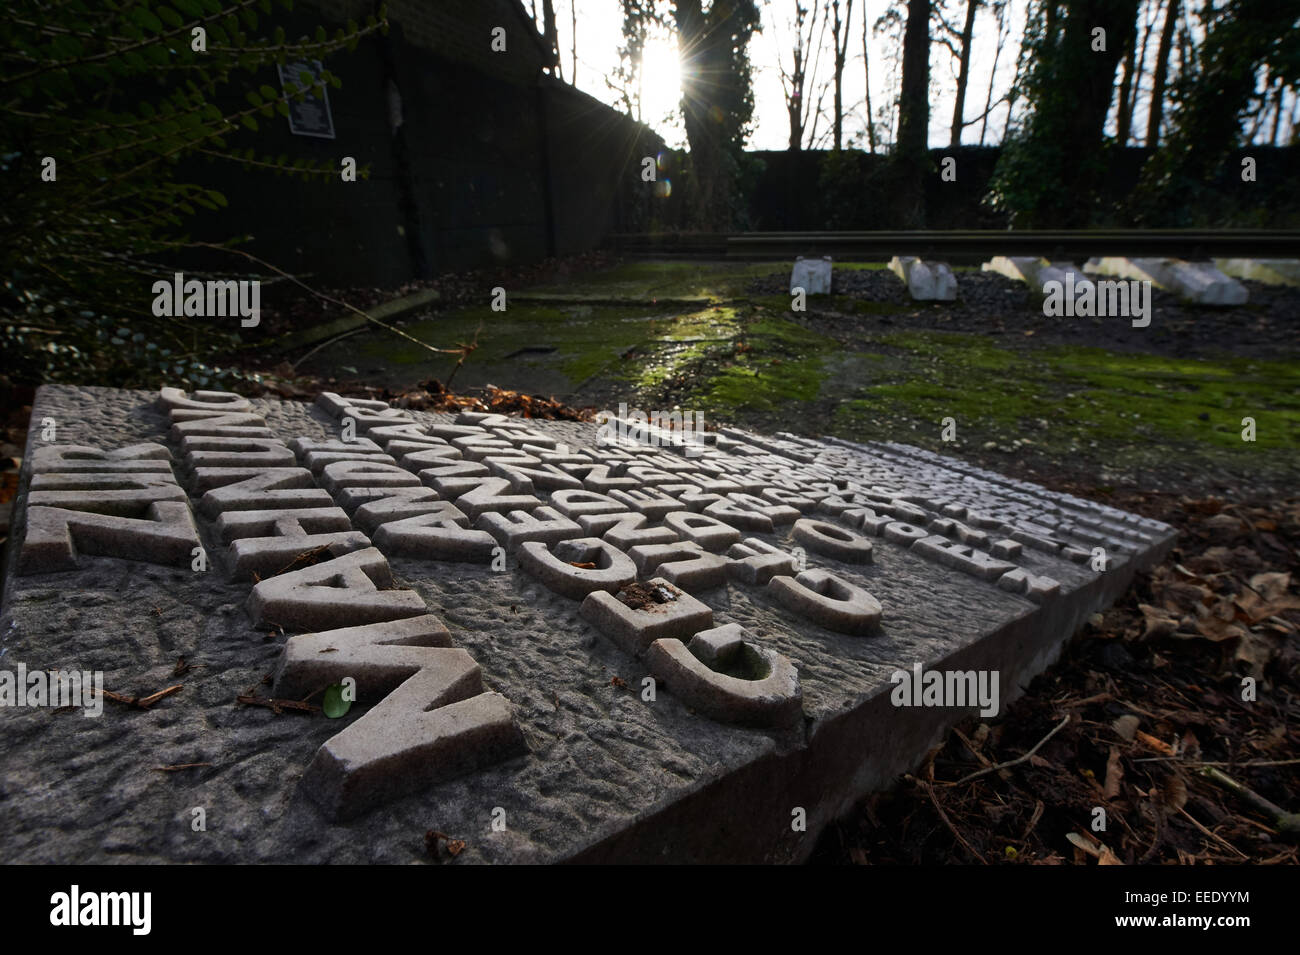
{"x":581,"y":765}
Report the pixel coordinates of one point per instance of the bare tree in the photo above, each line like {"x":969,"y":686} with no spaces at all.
{"x":1277,"y":112}
{"x":1124,"y":100}
{"x":551,"y":34}
{"x":1003,"y":29}
{"x":1161,"y":75}
{"x":914,"y":115}
{"x":963,"y":74}
{"x":573,"y":20}
{"x":866,"y":76}
{"x":1124,"y":132}
{"x":841,"y":51}
{"x":802,"y":75}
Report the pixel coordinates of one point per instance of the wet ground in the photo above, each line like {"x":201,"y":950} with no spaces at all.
{"x":1162,"y":407}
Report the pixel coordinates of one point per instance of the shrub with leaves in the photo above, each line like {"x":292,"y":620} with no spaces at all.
{"x":99,"y":101}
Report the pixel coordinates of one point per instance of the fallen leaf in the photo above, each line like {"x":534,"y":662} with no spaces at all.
{"x":1126,"y":726}
{"x":1114,"y":774}
{"x":1271,"y":586}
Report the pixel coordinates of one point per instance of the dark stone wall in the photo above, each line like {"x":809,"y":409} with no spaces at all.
{"x":473,"y":168}
{"x":807,"y":191}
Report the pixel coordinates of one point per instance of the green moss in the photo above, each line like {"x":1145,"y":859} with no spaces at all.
{"x":1066,"y":400}
{"x":720,"y":281}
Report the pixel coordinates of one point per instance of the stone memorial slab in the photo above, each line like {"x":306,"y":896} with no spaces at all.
{"x":608,"y":653}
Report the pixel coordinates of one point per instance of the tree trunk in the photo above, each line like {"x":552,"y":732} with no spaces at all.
{"x":1124,"y":120}
{"x":866,"y":77}
{"x":913,"y":116}
{"x":1161,"y":75}
{"x":551,"y":33}
{"x":1277,"y":114}
{"x":573,"y":20}
{"x":993,"y":74}
{"x":841,"y":53}
{"x":963,"y":72}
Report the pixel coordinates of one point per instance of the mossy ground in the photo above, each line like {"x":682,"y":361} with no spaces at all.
{"x":660,"y":334}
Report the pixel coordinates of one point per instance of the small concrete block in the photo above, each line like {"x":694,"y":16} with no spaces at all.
{"x":833,"y":541}
{"x":352,"y":589}
{"x":662,"y":611}
{"x":770,"y":698}
{"x":811,"y":275}
{"x":1197,"y":282}
{"x":828,"y":601}
{"x":925,"y":281}
{"x":556,"y":567}
{"x":1268,"y":271}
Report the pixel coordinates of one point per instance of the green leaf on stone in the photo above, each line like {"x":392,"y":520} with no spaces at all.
{"x":334,"y":705}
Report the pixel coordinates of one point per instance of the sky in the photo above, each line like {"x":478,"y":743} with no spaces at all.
{"x":599,"y":35}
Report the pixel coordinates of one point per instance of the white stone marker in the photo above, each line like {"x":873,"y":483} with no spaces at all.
{"x":1036,"y":272}
{"x":1270,"y":271}
{"x":926,"y":281}
{"x":812,"y":275}
{"x":1199,"y":283}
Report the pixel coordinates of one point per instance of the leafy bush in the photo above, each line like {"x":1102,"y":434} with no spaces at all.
{"x":98,"y":103}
